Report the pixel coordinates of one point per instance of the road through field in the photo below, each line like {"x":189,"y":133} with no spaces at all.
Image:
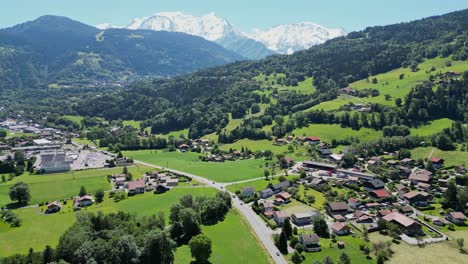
{"x":263,"y":232}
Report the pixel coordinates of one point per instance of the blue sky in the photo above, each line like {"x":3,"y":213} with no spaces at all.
{"x":245,"y":14}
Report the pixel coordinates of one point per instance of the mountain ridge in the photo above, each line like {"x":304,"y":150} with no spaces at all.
{"x":252,"y":46}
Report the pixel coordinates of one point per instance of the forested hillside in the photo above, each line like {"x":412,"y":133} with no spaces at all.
{"x":62,"y":52}
{"x":202,"y":101}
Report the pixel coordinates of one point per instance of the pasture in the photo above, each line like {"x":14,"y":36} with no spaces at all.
{"x":452,"y":158}
{"x":49,"y":187}
{"x":189,"y":162}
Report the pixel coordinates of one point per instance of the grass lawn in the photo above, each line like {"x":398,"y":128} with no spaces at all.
{"x":85,"y":141}
{"x":49,"y":187}
{"x":258,"y":185}
{"x":351,"y":249}
{"x":132,"y":123}
{"x":452,"y":158}
{"x":38,"y":230}
{"x":76,"y":119}
{"x":228,"y":171}
{"x":335,"y":104}
{"x":233,"y":241}
{"x":305,"y":86}
{"x":319,"y":198}
{"x":295,"y":207}
{"x":432,"y":128}
{"x":327,"y":132}
{"x":444,"y":252}
{"x":255,"y":145}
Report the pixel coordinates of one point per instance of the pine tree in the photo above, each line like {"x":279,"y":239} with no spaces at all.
{"x":283,"y":243}
{"x":287,"y":228}
{"x":82,"y":191}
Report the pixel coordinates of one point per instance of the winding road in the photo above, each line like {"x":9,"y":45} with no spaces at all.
{"x":263,"y":232}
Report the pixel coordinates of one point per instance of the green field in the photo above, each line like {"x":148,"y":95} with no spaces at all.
{"x":228,"y":171}
{"x":444,"y":252}
{"x":76,"y":119}
{"x":257,"y":184}
{"x":434,"y":127}
{"x":255,"y":145}
{"x":85,"y":141}
{"x":233,"y":241}
{"x":49,"y":187}
{"x":336,"y":103}
{"x":132,"y":123}
{"x":327,"y":132}
{"x":305,"y":86}
{"x":390,"y":83}
{"x":452,"y":158}
{"x":41,"y":230}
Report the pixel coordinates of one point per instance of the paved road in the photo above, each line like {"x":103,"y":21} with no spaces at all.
{"x":263,"y":232}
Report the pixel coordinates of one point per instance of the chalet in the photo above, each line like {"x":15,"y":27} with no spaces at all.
{"x":392,"y":163}
{"x":353,"y":202}
{"x":402,"y":189}
{"x":120,"y":181}
{"x":84,"y":201}
{"x":308,"y":165}
{"x":374,"y":184}
{"x":338,"y":218}
{"x":302,"y":219}
{"x":407,"y":162}
{"x":279,"y":217}
{"x":324,"y":152}
{"x":378,"y":194}
{"x":53,"y":207}
{"x":374,"y":161}
{"x":364,"y":219}
{"x":442,"y":182}
{"x":248,"y":191}
{"x":420,"y":176}
{"x":372,"y":205}
{"x":457,"y":218}
{"x":337,"y":208}
{"x":384,"y":212}
{"x":136,"y":187}
{"x":172,"y":182}
{"x":266,"y":193}
{"x":423,"y":186}
{"x":460,"y":169}
{"x":286,"y":197}
{"x":316,"y":182}
{"x":314,"y":140}
{"x":280,"y":141}
{"x":347,"y":90}
{"x":184,"y":147}
{"x":268,"y":209}
{"x":437,"y":162}
{"x":160,"y":189}
{"x":407,"y":225}
{"x":407,"y":210}
{"x":451,"y":74}
{"x":404,"y":171}
{"x":279,"y":187}
{"x":340,"y":229}
{"x":310,"y":242}
{"x":439,"y":221}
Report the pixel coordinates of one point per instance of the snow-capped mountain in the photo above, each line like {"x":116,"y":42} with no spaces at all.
{"x":104,"y":26}
{"x":289,"y":38}
{"x":284,"y":39}
{"x":210,"y":27}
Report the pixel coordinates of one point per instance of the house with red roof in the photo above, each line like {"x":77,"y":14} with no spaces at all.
{"x":420,"y":176}
{"x":53,"y":207}
{"x":378,"y":194}
{"x":340,"y":229}
{"x":437,"y":162}
{"x":84,"y":201}
{"x":136,"y":187}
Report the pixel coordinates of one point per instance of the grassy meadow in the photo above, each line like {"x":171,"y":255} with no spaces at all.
{"x":189,"y":162}
{"x":452,"y":158}
{"x":49,"y":187}
{"x":433,"y":127}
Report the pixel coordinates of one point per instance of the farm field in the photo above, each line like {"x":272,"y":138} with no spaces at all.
{"x":257,"y":184}
{"x":232,"y":242}
{"x":452,"y":158}
{"x":44,"y":230}
{"x":189,"y":162}
{"x":305,"y":86}
{"x":255,"y":145}
{"x":444,"y":252}
{"x":49,"y":187}
{"x":432,"y":128}
{"x":76,"y":119}
{"x":327,"y":132}
{"x":335,"y":104}
{"x":132,"y":123}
